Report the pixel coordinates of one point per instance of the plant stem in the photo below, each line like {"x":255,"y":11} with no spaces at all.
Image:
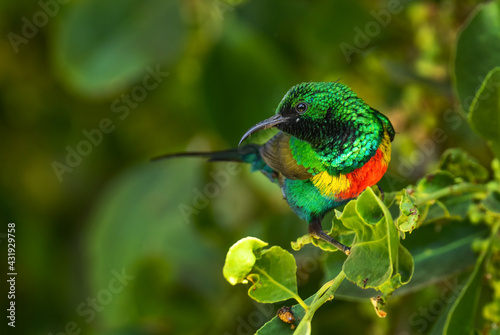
{"x":454,"y":189}
{"x":322,"y":290}
{"x":328,"y":295}
{"x":302,"y":303}
{"x":320,"y":298}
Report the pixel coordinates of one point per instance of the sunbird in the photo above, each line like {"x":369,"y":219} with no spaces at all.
{"x":330,"y":147}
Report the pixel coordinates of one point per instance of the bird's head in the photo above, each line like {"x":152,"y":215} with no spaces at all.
{"x":314,"y":111}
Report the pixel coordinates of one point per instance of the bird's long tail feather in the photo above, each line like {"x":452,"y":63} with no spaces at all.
{"x":243,"y":154}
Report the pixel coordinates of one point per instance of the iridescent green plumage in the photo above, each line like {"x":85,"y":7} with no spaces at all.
{"x":330,"y":147}
{"x":337,"y":134}
{"x":341,"y":133}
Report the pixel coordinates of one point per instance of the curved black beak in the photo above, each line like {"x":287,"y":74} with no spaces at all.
{"x":266,"y":124}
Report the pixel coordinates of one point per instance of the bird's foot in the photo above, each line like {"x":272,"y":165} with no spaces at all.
{"x":316,"y":230}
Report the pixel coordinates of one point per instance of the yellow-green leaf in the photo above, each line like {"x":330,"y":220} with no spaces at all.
{"x":241,"y":258}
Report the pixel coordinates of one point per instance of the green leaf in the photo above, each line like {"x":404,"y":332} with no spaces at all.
{"x":404,"y":273}
{"x":407,"y":220}
{"x":338,"y":231}
{"x":241,"y":258}
{"x":477,"y":51}
{"x":272,"y":271}
{"x":277,"y":327}
{"x":461,"y":317}
{"x":370,"y":261}
{"x":347,"y":290}
{"x":103,"y":46}
{"x":429,"y":247}
{"x":370,"y":209}
{"x":441,"y":253}
{"x":484,"y":115}
{"x":442,"y":196}
{"x":374,"y":255}
{"x":406,"y":265}
{"x":460,"y":164}
{"x":274,"y":276}
{"x":301,"y":241}
{"x":449,"y":208}
{"x":492,"y":202}
{"x":434,"y":181}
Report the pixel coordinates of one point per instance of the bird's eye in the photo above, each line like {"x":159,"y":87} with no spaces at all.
{"x":301,"y":107}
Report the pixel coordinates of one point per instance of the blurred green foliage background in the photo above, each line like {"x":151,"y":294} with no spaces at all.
{"x":110,"y":243}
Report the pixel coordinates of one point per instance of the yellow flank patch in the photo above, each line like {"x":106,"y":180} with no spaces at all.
{"x":330,"y":185}
{"x":385,"y":147}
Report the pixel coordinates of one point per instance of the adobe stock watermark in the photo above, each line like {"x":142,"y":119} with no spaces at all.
{"x":255,"y":319}
{"x":425,"y":316}
{"x":220,"y":8}
{"x":308,"y":264}
{"x":363,"y":37}
{"x":454,"y":120}
{"x":121,"y":107}
{"x":264,"y":312}
{"x":212,"y":189}
{"x":219,"y":179}
{"x":88,"y":309}
{"x":32,"y":25}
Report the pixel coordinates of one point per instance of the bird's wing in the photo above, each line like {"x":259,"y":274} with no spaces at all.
{"x":277,"y":154}
{"x":386,"y":123}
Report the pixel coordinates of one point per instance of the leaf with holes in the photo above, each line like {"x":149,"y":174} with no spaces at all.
{"x":272,"y":271}
{"x":407,"y":220}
